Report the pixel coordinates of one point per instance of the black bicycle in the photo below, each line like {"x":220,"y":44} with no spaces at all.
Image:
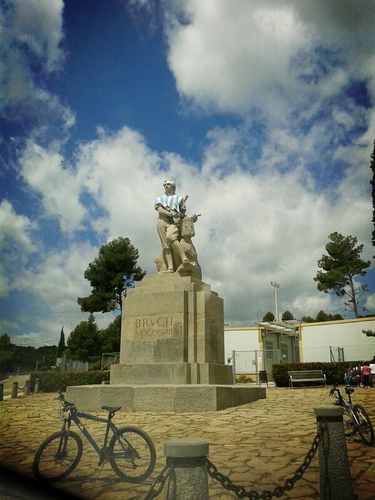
{"x":356,"y":418}
{"x":130,"y":451}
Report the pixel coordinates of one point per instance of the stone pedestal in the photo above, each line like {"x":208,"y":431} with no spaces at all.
{"x":172,"y":332}
{"x":172,"y":352}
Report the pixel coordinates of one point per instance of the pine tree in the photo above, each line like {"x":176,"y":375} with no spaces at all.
{"x":61,"y":347}
{"x":84,"y":341}
{"x":106,"y":275}
{"x":340,"y":268}
{"x":287,"y":316}
{"x":269,"y":316}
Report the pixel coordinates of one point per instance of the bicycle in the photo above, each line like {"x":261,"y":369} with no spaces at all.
{"x":356,"y":418}
{"x":130,"y":452}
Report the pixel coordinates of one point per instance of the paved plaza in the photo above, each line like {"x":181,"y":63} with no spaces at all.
{"x":258,"y":445}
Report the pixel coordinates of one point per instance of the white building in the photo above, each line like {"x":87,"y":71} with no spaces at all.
{"x":259,"y":347}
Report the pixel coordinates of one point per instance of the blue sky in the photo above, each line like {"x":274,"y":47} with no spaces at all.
{"x":263,"y":113}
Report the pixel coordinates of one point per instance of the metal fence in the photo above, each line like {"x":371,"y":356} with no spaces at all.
{"x":72,"y":365}
{"x":335,"y":354}
{"x":250,"y":363}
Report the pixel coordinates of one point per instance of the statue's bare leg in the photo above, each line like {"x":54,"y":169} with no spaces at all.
{"x":168,"y":259}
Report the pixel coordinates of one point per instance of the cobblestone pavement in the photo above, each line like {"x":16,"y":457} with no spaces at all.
{"x":258,"y":445}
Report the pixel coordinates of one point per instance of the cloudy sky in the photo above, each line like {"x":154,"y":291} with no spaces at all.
{"x":262,"y":111}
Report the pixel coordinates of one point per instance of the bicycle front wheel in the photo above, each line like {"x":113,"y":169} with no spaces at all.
{"x":57,"y":456}
{"x":365,"y":428}
{"x":132,"y":454}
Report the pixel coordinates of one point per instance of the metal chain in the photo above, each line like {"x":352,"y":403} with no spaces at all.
{"x":159,"y":482}
{"x":278,"y":491}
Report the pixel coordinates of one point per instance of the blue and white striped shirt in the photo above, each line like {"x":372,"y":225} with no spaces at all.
{"x":172,"y":201}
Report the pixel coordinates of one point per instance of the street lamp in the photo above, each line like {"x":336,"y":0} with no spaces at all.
{"x":276,"y":286}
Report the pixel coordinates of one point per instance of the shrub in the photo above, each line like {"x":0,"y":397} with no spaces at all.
{"x":54,"y":381}
{"x":333,"y":371}
{"x":244,"y":378}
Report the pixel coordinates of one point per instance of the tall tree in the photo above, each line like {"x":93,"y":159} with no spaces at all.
{"x":110,"y":336}
{"x":323,"y":316}
{"x":372,"y":182}
{"x":307,"y":319}
{"x":84,"y":340}
{"x":61,"y":347}
{"x":269,"y":316}
{"x":6,"y":354}
{"x":339,"y":269}
{"x":287,"y":316}
{"x":107,"y":276}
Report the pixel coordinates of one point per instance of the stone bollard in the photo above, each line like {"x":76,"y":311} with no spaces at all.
{"x":189,"y":480}
{"x":37,"y":385}
{"x":335,"y":480}
{"x":14,"y":389}
{"x":1,"y":391}
{"x":27,"y":388}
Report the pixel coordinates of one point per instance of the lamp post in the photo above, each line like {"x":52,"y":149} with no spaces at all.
{"x":276,"y":286}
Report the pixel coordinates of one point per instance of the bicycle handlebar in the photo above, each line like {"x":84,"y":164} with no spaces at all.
{"x":66,"y":403}
{"x":333,"y":390}
{"x":348,"y":390}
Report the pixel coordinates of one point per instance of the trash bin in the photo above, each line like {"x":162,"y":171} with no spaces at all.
{"x":263,"y":377}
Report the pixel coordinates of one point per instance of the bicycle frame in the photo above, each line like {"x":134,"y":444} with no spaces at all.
{"x":74,"y":415}
{"x":60,"y":453}
{"x":347,"y":405}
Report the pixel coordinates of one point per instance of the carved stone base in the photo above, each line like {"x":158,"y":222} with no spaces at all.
{"x":172,"y":319}
{"x":171,"y":373}
{"x":163,"y":398}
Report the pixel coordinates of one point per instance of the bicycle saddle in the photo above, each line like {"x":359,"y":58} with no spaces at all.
{"x":349,"y":390}
{"x":111,"y":409}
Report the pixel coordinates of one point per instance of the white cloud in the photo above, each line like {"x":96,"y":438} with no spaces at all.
{"x":262,"y":219}
{"x":118,"y":171}
{"x":34,"y":26}
{"x":57,"y":281}
{"x":38,"y":24}
{"x":236,"y":56}
{"x":15,"y":228}
{"x":15,"y":242}
{"x":45,"y":172}
{"x":254,"y":228}
{"x":230,"y":56}
{"x":370,"y":302}
{"x":258,"y":224}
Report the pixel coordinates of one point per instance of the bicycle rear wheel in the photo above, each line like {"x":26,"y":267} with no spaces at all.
{"x":365,"y":428}
{"x":57,"y":456}
{"x":132,"y":454}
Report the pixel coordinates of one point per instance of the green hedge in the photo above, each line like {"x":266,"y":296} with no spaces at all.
{"x":54,"y":380}
{"x":333,"y":371}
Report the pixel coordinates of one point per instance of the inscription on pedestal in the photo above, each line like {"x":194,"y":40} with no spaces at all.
{"x":154,"y":327}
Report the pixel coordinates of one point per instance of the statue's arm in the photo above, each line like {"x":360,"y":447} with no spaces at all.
{"x":162,"y":210}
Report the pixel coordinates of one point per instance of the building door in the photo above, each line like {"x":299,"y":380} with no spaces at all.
{"x":288,"y":350}
{"x":271,"y":352}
